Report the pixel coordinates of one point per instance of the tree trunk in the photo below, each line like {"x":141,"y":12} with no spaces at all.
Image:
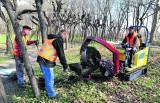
{"x":155,"y":21}
{"x":73,"y":34}
{"x":137,"y":15}
{"x":85,"y":34}
{"x":27,"y":62}
{"x":9,"y":45}
{"x":134,"y":16}
{"x":41,"y":17}
{"x":2,"y":93}
{"x":103,"y":32}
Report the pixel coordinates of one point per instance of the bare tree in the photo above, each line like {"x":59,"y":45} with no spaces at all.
{"x":155,"y":21}
{"x":41,"y":19}
{"x":9,"y":45}
{"x":13,"y":17}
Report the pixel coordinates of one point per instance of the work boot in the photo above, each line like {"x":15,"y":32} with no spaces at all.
{"x":57,"y":96}
{"x":130,"y":66}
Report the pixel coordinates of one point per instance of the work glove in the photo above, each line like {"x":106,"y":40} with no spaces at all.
{"x":125,"y":45}
{"x":128,"y":49}
{"x":36,"y":42}
{"x":134,"y":49}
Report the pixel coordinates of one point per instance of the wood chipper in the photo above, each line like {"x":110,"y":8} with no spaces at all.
{"x":91,"y":59}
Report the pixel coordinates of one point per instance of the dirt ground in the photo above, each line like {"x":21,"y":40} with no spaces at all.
{"x":132,"y":91}
{"x":11,"y":87}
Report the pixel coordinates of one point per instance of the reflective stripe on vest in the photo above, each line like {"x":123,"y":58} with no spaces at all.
{"x":131,"y":40}
{"x":16,"y":51}
{"x":47,"y":51}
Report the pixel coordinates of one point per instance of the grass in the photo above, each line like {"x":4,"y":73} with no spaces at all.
{"x":2,"y":38}
{"x":4,"y":59}
{"x":3,"y":56}
{"x":142,"y":89}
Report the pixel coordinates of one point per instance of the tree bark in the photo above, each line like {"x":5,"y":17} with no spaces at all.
{"x":2,"y":93}
{"x":41,"y":17}
{"x":8,"y":33}
{"x":27,"y":62}
{"x":9,"y":47}
{"x":155,"y":21}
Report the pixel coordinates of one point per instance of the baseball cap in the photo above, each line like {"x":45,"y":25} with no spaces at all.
{"x":27,"y":27}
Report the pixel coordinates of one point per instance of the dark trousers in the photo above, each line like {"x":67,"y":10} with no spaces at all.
{"x":131,"y":54}
{"x":20,"y":69}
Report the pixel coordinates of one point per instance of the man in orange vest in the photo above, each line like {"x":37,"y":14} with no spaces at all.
{"x":47,"y":56}
{"x":133,"y":42}
{"x":20,"y":70}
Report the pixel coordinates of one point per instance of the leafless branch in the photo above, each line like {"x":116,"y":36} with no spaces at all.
{"x":35,"y":18}
{"x":15,"y":5}
{"x":33,"y":22}
{"x":26,"y":11}
{"x":3,"y":16}
{"x":150,"y":3}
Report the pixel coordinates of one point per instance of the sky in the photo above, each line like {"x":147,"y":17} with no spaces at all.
{"x":22,"y":1}
{"x":114,"y":6}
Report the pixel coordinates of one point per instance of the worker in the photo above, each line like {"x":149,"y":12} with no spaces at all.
{"x":20,"y":69}
{"x":47,"y":56}
{"x":133,"y":42}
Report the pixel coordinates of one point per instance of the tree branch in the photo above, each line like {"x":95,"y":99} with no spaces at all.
{"x":2,"y":16}
{"x":150,"y":3}
{"x":15,"y":5}
{"x":26,"y":11}
{"x":35,"y":18}
{"x":33,"y":21}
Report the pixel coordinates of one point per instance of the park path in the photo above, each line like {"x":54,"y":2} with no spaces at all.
{"x":10,"y":86}
{"x":11,"y":63}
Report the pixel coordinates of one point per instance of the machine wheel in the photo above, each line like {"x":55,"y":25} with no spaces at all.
{"x":90,"y":58}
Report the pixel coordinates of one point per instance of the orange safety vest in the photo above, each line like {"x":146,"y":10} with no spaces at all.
{"x":47,"y":51}
{"x":131,"y":40}
{"x":16,"y":51}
